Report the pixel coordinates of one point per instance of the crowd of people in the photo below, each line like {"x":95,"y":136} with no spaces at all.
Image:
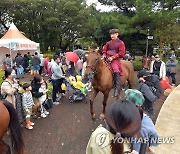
{"x":28,"y":98}
{"x":129,"y":118}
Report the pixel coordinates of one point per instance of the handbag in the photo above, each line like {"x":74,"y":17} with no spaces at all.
{"x":48,"y":104}
{"x":165,"y":83}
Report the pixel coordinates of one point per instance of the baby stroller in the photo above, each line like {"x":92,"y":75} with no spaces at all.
{"x":77,"y":95}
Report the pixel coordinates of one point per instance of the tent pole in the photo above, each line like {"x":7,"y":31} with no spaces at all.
{"x":10,"y":54}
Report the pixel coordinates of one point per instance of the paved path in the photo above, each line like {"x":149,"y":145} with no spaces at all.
{"x":168,"y":123}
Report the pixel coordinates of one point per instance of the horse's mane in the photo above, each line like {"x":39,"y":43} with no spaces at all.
{"x":91,"y":50}
{"x":95,"y":52}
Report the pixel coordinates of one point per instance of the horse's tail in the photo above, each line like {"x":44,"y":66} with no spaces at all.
{"x":15,"y":129}
{"x":130,"y":68}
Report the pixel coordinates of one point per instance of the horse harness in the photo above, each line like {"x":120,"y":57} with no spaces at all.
{"x":94,"y":67}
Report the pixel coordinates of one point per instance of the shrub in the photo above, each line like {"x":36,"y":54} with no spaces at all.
{"x":137,"y":63}
{"x":1,"y":76}
{"x":50,"y":55}
{"x":50,"y":88}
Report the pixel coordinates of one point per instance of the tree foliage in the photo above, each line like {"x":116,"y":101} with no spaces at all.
{"x":59,"y":24}
{"x":54,"y":23}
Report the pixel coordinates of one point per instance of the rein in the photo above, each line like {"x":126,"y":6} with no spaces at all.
{"x":93,"y":67}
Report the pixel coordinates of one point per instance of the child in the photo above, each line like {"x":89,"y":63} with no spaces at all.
{"x":148,"y":131}
{"x":80,"y":85}
{"x":28,"y":104}
{"x":42,"y":99}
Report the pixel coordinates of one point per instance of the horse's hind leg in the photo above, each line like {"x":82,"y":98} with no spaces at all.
{"x":94,"y":94}
{"x":4,"y":148}
{"x":106,"y":94}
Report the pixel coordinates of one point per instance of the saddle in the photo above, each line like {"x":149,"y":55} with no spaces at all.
{"x":108,"y":65}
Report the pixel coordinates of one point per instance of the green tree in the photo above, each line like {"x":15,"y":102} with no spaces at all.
{"x":54,"y":23}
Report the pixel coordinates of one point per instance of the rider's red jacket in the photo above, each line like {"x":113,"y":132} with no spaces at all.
{"x":116,"y":50}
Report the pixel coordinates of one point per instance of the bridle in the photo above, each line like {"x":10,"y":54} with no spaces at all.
{"x":93,"y":67}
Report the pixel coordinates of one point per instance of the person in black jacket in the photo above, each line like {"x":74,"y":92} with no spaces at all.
{"x":25,"y":63}
{"x":154,"y":83}
{"x":149,"y":96}
{"x":36,"y":61}
{"x":19,"y":65}
{"x":36,"y":84}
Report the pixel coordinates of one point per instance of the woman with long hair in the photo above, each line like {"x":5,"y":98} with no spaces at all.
{"x":123,"y":122}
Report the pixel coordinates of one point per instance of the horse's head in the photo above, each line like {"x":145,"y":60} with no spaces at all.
{"x":93,"y":58}
{"x":147,"y":62}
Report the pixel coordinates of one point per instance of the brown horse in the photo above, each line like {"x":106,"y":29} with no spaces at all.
{"x":9,"y":119}
{"x":103,"y":80}
{"x":147,"y":62}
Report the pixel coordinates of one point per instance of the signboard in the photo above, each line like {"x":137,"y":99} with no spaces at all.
{"x":22,"y":46}
{"x":150,"y":37}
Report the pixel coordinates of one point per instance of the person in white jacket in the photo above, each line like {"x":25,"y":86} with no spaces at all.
{"x":158,"y":67}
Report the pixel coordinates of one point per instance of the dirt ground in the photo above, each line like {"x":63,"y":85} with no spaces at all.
{"x":68,"y":127}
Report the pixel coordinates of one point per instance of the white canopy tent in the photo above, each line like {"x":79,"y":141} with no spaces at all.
{"x":14,"y":41}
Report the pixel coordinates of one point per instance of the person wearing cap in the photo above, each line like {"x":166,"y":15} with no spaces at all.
{"x":149,"y":96}
{"x":148,"y":131}
{"x":158,"y":67}
{"x":123,"y":121}
{"x":154,"y":83}
{"x":172,"y":65}
{"x":112,"y":52}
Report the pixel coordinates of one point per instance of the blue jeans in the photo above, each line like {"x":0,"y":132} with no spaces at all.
{"x":80,"y":72}
{"x":20,"y":72}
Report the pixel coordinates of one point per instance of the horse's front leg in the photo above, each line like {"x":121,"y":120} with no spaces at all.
{"x":94,"y":94}
{"x":106,"y":95}
{"x":4,"y":148}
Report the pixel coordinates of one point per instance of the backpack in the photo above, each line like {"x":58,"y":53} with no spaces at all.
{"x":48,"y":104}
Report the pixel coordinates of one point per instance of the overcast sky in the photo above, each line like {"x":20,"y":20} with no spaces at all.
{"x":99,"y":6}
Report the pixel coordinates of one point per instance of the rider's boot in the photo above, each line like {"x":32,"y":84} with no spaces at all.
{"x":116,"y":84}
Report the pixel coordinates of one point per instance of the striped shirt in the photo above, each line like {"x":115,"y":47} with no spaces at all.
{"x":27,"y":100}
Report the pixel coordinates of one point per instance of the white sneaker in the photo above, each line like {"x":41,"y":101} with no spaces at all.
{"x":46,"y":112}
{"x":56,"y":103}
{"x":58,"y":98}
{"x":63,"y":94}
{"x":43,"y":115}
{"x":29,"y":127}
{"x":89,"y":90}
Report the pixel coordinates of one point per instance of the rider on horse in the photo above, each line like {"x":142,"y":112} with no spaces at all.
{"x":113,"y":51}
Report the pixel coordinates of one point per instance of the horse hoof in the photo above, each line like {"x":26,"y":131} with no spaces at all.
{"x":93,"y":116}
{"x":101,"y":116}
